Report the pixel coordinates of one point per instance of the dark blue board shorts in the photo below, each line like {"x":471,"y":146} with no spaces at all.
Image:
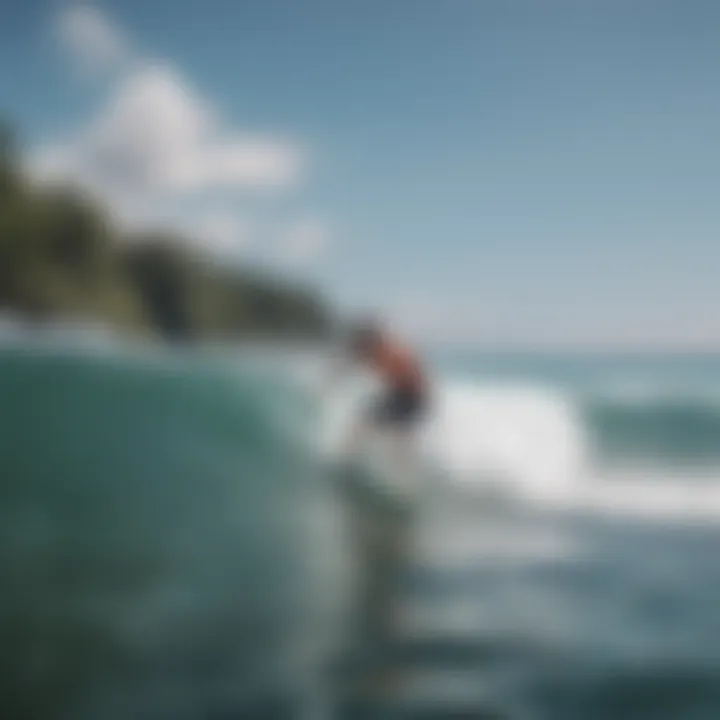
{"x":400,"y":407}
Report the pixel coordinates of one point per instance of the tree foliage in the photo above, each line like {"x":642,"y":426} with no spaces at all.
{"x":61,"y":257}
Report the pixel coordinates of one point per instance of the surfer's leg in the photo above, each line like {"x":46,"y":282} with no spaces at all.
{"x":404,"y":437}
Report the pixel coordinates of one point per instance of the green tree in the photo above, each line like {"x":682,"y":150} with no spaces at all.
{"x":60,"y":256}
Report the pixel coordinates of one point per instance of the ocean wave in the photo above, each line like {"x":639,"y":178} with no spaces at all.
{"x":154,"y":515}
{"x":534,"y":443}
{"x":167,"y":544}
{"x":651,"y":422}
{"x":529,"y":439}
{"x":675,"y":432}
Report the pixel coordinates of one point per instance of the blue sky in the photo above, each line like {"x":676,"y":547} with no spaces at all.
{"x":479,"y":171}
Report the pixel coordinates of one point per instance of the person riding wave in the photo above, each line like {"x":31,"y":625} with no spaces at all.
{"x":383,"y":531}
{"x":404,"y":401}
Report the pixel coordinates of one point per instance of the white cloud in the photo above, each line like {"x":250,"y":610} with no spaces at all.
{"x":156,"y":134}
{"x":157,"y":151}
{"x":303,"y":242}
{"x":93,"y":41}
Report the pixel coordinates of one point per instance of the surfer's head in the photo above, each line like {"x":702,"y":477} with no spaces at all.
{"x":364,"y":337}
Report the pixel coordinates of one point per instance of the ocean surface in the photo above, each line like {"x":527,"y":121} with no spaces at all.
{"x":170,"y":545}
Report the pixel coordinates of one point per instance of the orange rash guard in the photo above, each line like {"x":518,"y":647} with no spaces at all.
{"x":398,"y":367}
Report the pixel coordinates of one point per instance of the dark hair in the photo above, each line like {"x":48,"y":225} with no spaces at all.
{"x":363,"y":335}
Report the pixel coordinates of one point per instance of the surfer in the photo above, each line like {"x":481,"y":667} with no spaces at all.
{"x":382,"y":523}
{"x":404,"y":400}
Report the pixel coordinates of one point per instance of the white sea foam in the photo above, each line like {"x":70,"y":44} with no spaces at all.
{"x":529,"y":443}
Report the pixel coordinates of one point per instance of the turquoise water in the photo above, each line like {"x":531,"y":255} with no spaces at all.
{"x":154,"y":526}
{"x":170,"y":547}
{"x":656,"y":409}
